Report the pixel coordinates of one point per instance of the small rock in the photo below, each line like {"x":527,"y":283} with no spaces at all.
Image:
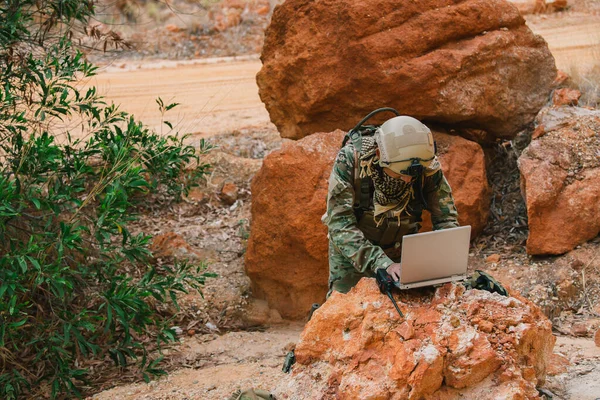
{"x":197,"y":195}
{"x":405,"y":330}
{"x":173,"y":28}
{"x":579,"y":329}
{"x":566,"y":97}
{"x":597,"y":338}
{"x":538,"y":132}
{"x":494,"y":258}
{"x":275,"y":317}
{"x":561,"y":78}
{"x":191,"y":332}
{"x":566,"y":290}
{"x":576,"y":264}
{"x":171,"y":244}
{"x":557,"y":364}
{"x":212,"y":326}
{"x":177,"y":330}
{"x":486,"y":326}
{"x":257,"y":313}
{"x":228,"y":193}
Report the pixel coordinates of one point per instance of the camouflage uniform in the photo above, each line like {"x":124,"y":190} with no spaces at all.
{"x":357,"y":248}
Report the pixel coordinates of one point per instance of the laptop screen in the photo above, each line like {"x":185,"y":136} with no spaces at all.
{"x":434,"y":255}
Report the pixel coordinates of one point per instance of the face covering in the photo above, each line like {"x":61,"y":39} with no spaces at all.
{"x":391,"y":194}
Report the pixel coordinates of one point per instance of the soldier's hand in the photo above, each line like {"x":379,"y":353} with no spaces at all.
{"x":394,"y":271}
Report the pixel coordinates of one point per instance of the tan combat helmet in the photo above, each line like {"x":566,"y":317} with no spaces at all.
{"x":404,"y":139}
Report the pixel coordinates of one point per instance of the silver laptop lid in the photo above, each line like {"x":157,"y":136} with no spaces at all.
{"x":434,"y":255}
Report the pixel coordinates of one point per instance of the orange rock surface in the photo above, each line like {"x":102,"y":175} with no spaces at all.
{"x":473,"y":63}
{"x":560,"y":180}
{"x":356,"y":346}
{"x":463,"y":164}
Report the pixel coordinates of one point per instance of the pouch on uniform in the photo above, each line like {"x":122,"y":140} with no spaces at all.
{"x":484,"y":281}
{"x":251,"y":394}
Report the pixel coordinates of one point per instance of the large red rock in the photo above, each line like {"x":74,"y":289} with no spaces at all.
{"x":286,"y":257}
{"x":473,"y":63}
{"x":463,"y":163}
{"x":560,"y":180}
{"x":287,"y":249}
{"x":451,"y":344}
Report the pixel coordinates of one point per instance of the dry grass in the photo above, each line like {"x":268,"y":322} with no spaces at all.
{"x":588,"y":83}
{"x":585,"y":74}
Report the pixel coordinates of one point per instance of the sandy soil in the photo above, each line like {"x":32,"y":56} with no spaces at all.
{"x":254,"y":360}
{"x":216,"y":96}
{"x":573,"y":38}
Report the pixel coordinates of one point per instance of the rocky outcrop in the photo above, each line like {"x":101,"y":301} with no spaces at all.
{"x":451,"y":344}
{"x":566,"y":97}
{"x":463,"y":163}
{"x":287,"y":249}
{"x":560,"y":180}
{"x":473,"y":63}
{"x":286,"y":257}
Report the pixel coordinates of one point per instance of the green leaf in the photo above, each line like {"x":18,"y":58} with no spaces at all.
{"x":23,"y":264}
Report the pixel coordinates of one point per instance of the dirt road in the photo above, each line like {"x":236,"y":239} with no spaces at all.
{"x":220,"y":96}
{"x":573,"y":39}
{"x":215,"y":95}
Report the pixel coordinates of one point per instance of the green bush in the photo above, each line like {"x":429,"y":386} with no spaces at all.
{"x":75,"y":284}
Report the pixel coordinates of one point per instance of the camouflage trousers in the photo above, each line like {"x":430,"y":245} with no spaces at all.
{"x":343,"y":276}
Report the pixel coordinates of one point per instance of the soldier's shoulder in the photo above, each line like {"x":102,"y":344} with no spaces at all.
{"x":346,"y":155}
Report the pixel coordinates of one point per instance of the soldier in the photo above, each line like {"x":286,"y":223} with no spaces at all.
{"x":381,"y":181}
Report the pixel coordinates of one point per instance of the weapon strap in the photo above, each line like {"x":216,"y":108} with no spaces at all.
{"x":362,"y":187}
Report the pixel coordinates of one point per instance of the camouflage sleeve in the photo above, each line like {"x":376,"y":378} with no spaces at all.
{"x":440,"y":202}
{"x":341,"y":221}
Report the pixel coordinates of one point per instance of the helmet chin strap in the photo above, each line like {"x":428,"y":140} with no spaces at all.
{"x":416,"y":170}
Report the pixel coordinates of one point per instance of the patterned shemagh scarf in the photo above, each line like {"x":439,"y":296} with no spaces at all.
{"x":392,"y":195}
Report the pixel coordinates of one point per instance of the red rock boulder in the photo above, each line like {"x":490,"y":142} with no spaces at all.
{"x":286,"y":257}
{"x":473,"y":63}
{"x":463,"y":163}
{"x":560,"y":180}
{"x":566,"y":97}
{"x":452,"y":343}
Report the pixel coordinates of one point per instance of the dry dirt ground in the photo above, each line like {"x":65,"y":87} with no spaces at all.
{"x":223,"y":348}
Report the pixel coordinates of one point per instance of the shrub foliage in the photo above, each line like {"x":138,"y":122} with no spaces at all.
{"x":75,"y":285}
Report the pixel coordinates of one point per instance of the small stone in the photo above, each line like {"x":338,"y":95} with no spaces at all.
{"x":566,"y":290}
{"x":211,"y":326}
{"x":576,"y":264}
{"x":455,"y":321}
{"x":538,"y":132}
{"x":405,"y":330}
{"x":597,"y":338}
{"x":557,"y":364}
{"x":579,"y":329}
{"x":191,"y":332}
{"x":177,"y":330}
{"x":196,"y":195}
{"x":561,"y":78}
{"x":228,"y":193}
{"x":486,"y":326}
{"x":494,"y":258}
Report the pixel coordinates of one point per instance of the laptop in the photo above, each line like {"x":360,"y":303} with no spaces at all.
{"x":433,"y":258}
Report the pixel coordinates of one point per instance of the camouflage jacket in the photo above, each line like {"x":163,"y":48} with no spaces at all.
{"x":356,"y":245}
